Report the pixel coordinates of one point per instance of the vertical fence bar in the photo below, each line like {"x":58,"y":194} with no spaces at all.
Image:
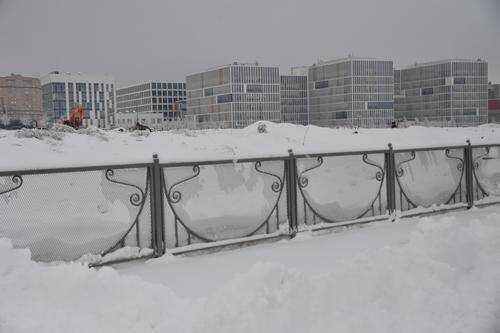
{"x":291,"y":191}
{"x":469,"y":180}
{"x":157,"y":213}
{"x":390,"y":166}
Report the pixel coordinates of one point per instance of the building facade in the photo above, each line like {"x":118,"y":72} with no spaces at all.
{"x":156,"y":97}
{"x":353,"y":92}
{"x":494,"y":103}
{"x":234,"y":96}
{"x":443,"y":93}
{"x":21,"y":101}
{"x":95,"y":93}
{"x":293,"y":91}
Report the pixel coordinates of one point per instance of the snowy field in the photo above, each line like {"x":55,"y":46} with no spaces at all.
{"x":433,"y":274}
{"x":93,"y":147}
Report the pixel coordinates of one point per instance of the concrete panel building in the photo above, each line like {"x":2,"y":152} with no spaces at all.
{"x":443,"y":93}
{"x":96,"y":93}
{"x":354,"y":92}
{"x":156,"y":97}
{"x":234,"y":95}
{"x":21,"y":101}
{"x":494,"y":103}
{"x":294,"y":93}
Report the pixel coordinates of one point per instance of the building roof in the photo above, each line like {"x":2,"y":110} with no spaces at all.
{"x":443,"y":61}
{"x":57,"y":76}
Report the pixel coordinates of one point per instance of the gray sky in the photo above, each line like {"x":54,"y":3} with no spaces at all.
{"x":166,"y":40}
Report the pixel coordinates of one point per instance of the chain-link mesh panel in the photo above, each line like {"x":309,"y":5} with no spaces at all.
{"x":430,"y":177}
{"x":62,"y":216}
{"x":340,"y":188}
{"x":207,"y":203}
{"x":486,"y":173}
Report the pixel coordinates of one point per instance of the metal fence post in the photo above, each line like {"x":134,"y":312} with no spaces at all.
{"x":390,"y":166}
{"x":157,"y":213}
{"x":469,"y":180}
{"x":291,"y":191}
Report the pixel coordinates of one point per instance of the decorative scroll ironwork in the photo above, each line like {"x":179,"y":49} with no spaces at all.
{"x":137,"y":200}
{"x":476,"y":165}
{"x":17,"y":181}
{"x":174,"y":197}
{"x":303,"y":182}
{"x":400,"y":173}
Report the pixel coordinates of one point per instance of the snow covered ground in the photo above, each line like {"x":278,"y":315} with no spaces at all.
{"x":27,"y":150}
{"x":434,"y":274}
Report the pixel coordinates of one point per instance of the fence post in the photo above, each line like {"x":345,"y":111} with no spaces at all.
{"x":291,"y":191}
{"x":469,"y":180}
{"x":157,"y":213}
{"x":390,"y":166}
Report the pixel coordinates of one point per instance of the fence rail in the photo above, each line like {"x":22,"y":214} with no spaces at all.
{"x":66,"y":213}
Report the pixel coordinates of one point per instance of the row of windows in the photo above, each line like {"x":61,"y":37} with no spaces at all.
{"x":169,"y":93}
{"x":255,"y":74}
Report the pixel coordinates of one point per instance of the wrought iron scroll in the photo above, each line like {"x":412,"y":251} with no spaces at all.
{"x":175,"y":196}
{"x":303,"y":182}
{"x":400,"y":173}
{"x":137,"y":199}
{"x":17,"y":181}
{"x":460,"y":167}
{"x":475,"y":163}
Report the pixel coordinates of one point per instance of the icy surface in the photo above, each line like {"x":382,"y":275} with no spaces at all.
{"x":436,"y":274}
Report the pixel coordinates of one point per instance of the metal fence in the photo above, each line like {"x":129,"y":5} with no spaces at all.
{"x":66,"y":213}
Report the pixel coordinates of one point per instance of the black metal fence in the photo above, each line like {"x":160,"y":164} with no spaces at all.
{"x":65,"y":213}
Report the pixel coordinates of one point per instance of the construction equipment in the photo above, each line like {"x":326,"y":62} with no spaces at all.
{"x":75,"y":117}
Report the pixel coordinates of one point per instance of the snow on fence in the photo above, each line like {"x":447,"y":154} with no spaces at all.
{"x":146,"y":209}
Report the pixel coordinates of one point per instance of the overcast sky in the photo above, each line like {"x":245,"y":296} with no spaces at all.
{"x":166,"y":40}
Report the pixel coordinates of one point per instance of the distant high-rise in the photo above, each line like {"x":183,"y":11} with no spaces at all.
{"x":294,"y":99}
{"x":21,"y":101}
{"x":95,"y":93}
{"x":494,"y":103}
{"x":444,"y":93}
{"x":159,"y":97}
{"x":351,"y":92}
{"x":234,"y":95}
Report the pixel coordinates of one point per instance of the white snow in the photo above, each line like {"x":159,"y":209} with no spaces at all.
{"x":434,"y":274}
{"x":34,"y":149}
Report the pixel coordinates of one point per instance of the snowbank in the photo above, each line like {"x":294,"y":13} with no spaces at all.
{"x":442,"y":277}
{"x":36,"y":149}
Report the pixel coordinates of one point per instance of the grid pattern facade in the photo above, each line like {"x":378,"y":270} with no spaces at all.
{"x":294,"y":99}
{"x":158,"y":97}
{"x":21,"y":100}
{"x":355,"y":92}
{"x":95,"y":93}
{"x":445,"y":93}
{"x":494,"y":103}
{"x":234,"y":96}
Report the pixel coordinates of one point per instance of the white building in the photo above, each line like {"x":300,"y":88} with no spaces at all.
{"x":94,"y":92}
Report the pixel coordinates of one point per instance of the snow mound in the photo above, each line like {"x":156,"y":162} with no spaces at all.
{"x":443,"y":279}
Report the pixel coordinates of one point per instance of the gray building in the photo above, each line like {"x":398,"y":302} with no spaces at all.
{"x":234,"y":95}
{"x":95,"y":93}
{"x":494,"y":103}
{"x":351,"y":92}
{"x":443,"y":93}
{"x":293,"y":91}
{"x":21,"y":101}
{"x":156,"y":97}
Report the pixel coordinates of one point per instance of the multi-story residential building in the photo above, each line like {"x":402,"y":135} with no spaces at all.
{"x":494,"y":103}
{"x":294,"y":99}
{"x":21,"y":101}
{"x":95,"y":93}
{"x":351,"y":92}
{"x":443,"y":93}
{"x":156,"y":97}
{"x":234,"y":95}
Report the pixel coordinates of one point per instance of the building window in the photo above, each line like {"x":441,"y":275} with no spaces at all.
{"x":224,"y":98}
{"x":321,"y":84}
{"x":427,"y":91}
{"x":459,"y":80}
{"x":208,"y":92}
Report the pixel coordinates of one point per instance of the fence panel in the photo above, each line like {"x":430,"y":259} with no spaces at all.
{"x":432,"y":177}
{"x":220,"y":201}
{"x":337,"y":188}
{"x":65,"y":215}
{"x":486,"y":173}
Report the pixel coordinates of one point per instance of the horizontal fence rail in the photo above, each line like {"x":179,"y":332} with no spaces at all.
{"x":145,"y":209}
